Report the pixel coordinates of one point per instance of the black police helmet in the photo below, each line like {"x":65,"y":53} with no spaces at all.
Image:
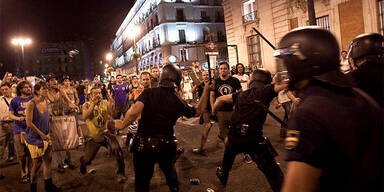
{"x":312,"y":52}
{"x":366,"y":44}
{"x":170,"y":76}
{"x":259,"y":78}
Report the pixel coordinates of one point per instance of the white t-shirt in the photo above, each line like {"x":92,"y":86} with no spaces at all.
{"x":283,"y":97}
{"x":244,"y":79}
{"x":344,"y":66}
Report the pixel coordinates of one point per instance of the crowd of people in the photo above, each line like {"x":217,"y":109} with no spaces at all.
{"x":334,"y":137}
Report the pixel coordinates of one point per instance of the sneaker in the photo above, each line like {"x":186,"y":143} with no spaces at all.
{"x":121,"y":178}
{"x":247,"y":158}
{"x":10,"y":158}
{"x":221,"y":176}
{"x":83,"y":167}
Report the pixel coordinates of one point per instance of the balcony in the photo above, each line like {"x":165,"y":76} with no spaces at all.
{"x":250,"y":17}
{"x":205,"y":19}
{"x":180,"y":19}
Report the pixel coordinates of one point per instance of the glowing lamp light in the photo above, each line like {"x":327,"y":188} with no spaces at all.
{"x":109,"y":56}
{"x":134,"y":32}
{"x":106,"y":65}
{"x":172,"y":59}
{"x":21,"y":41}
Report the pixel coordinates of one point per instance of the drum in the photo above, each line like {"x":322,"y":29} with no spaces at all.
{"x":64,"y":133}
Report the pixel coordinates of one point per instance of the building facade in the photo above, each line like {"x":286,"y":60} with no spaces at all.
{"x":274,"y":18}
{"x":169,"y":29}
{"x":64,"y":58}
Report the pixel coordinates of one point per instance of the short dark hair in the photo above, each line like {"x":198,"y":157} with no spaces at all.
{"x":6,"y":84}
{"x":145,"y":73}
{"x":224,"y":63}
{"x":38,"y":86}
{"x":118,"y":75}
{"x":20,"y":86}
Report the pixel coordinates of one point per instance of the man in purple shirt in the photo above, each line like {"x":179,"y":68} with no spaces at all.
{"x":120,"y":95}
{"x":17,"y":113}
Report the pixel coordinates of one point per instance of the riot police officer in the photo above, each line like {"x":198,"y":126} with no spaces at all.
{"x":367,"y":52}
{"x":155,"y":141}
{"x":245,"y":133}
{"x":335,"y":136}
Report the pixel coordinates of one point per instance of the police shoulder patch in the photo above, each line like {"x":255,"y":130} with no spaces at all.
{"x":292,"y":139}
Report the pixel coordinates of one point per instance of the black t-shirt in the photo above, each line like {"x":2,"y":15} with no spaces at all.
{"x":336,"y":130}
{"x":247,"y":110}
{"x":154,"y":82}
{"x":80,"y":89}
{"x":370,"y":78}
{"x":229,"y":86}
{"x":200,"y":90}
{"x":103,"y":90}
{"x":110,"y":86}
{"x":162,"y":108}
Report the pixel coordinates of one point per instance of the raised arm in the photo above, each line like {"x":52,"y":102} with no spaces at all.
{"x":220,"y":101}
{"x":131,"y":115}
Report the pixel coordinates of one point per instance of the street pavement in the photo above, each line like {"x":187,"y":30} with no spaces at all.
{"x":243,"y":177}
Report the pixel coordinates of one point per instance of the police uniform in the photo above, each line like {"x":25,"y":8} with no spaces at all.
{"x":369,"y":75}
{"x":336,"y":130}
{"x":155,"y":141}
{"x":246,"y":135}
{"x":343,"y":137}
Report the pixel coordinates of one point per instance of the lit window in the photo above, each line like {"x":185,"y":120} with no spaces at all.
{"x":323,"y":22}
{"x":249,"y":11}
{"x":254,"y":53}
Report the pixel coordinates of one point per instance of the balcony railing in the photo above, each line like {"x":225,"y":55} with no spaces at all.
{"x":205,"y":19}
{"x":250,"y":17}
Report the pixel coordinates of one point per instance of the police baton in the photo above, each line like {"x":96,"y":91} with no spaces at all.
{"x":209,"y":68}
{"x":265,"y":39}
{"x":270,"y":113}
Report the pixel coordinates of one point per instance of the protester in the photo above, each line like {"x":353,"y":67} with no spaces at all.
{"x":6,"y":123}
{"x":37,"y":137}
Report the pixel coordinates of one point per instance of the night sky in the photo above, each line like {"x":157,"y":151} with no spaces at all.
{"x":93,"y":21}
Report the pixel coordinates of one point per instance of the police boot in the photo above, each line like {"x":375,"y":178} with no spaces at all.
{"x":50,"y":187}
{"x":33,"y":187}
{"x":222,"y":177}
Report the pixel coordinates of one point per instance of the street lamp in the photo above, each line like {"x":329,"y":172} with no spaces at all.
{"x":134,"y":32}
{"x":21,"y":42}
{"x":106,"y":65}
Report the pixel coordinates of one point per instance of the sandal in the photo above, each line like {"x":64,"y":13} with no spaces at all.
{"x":24,"y":179}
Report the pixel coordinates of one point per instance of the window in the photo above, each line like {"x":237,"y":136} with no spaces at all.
{"x":204,"y":17}
{"x":180,"y":15}
{"x":182,"y":36}
{"x":184,"y":55}
{"x":254,"y":53}
{"x":206,"y":37}
{"x":323,"y":22}
{"x":249,"y":11}
{"x":293,"y":23}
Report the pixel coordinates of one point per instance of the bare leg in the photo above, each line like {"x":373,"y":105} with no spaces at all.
{"x":204,"y":137}
{"x":47,"y":160}
{"x":36,"y":163}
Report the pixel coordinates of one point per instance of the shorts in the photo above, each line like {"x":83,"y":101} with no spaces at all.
{"x":37,"y":151}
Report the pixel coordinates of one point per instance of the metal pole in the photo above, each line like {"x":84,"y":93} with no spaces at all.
{"x":209,"y":68}
{"x":134,"y":55}
{"x":311,"y":12}
{"x":237,"y":54}
{"x":22,"y":60}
